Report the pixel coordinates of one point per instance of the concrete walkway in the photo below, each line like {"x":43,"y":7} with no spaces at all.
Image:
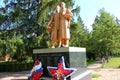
{"x":96,"y":65}
{"x":14,"y":75}
{"x":105,"y":74}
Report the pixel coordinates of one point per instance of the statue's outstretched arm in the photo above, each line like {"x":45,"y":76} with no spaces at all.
{"x":51,"y":20}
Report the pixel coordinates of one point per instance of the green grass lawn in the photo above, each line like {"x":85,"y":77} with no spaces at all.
{"x":114,"y":62}
{"x":96,"y":75}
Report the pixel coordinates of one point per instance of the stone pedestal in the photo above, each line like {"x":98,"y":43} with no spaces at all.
{"x":74,"y":58}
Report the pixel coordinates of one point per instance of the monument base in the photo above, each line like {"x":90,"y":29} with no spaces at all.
{"x":74,"y":58}
{"x":86,"y":75}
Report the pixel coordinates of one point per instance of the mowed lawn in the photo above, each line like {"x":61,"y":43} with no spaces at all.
{"x":114,"y":62}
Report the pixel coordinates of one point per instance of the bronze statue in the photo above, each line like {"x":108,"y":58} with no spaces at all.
{"x":64,"y":29}
{"x":54,"y":29}
{"x":60,"y":31}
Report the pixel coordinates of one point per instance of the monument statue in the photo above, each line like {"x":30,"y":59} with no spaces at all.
{"x":75,"y":57}
{"x":55,"y":27}
{"x":64,"y":29}
{"x":60,"y":31}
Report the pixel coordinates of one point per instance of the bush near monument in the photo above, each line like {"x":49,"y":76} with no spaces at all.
{"x":15,"y":66}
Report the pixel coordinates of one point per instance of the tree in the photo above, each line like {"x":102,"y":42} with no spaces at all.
{"x":23,"y":25}
{"x":79,"y":35}
{"x":104,"y":34}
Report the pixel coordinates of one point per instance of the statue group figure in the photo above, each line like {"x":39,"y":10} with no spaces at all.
{"x":60,"y":29}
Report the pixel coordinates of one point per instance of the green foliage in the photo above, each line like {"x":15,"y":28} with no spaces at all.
{"x":23,"y":25}
{"x":79,"y":34}
{"x":105,"y":34}
{"x":23,"y":28}
{"x":15,"y":66}
{"x":89,"y":62}
{"x":2,"y":18}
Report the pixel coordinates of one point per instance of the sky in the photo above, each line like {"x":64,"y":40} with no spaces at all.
{"x":90,"y":8}
{"x":1,"y":3}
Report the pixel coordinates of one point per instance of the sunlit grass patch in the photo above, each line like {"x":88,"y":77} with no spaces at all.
{"x":114,"y":62}
{"x":96,"y":75}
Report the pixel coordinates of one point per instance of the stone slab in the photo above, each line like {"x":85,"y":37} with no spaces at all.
{"x":75,"y":57}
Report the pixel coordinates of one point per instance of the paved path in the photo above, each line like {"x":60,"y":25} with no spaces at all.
{"x":14,"y":75}
{"x":96,"y":65}
{"x":105,"y":74}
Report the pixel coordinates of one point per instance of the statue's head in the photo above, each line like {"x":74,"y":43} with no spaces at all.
{"x":62,"y":5}
{"x":58,"y":8}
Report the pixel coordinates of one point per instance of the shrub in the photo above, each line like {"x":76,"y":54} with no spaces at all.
{"x":15,"y":66}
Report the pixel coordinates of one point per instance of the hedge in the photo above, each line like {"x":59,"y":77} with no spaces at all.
{"x":15,"y":66}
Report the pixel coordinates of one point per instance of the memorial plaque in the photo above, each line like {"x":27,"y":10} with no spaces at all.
{"x":75,"y":57}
